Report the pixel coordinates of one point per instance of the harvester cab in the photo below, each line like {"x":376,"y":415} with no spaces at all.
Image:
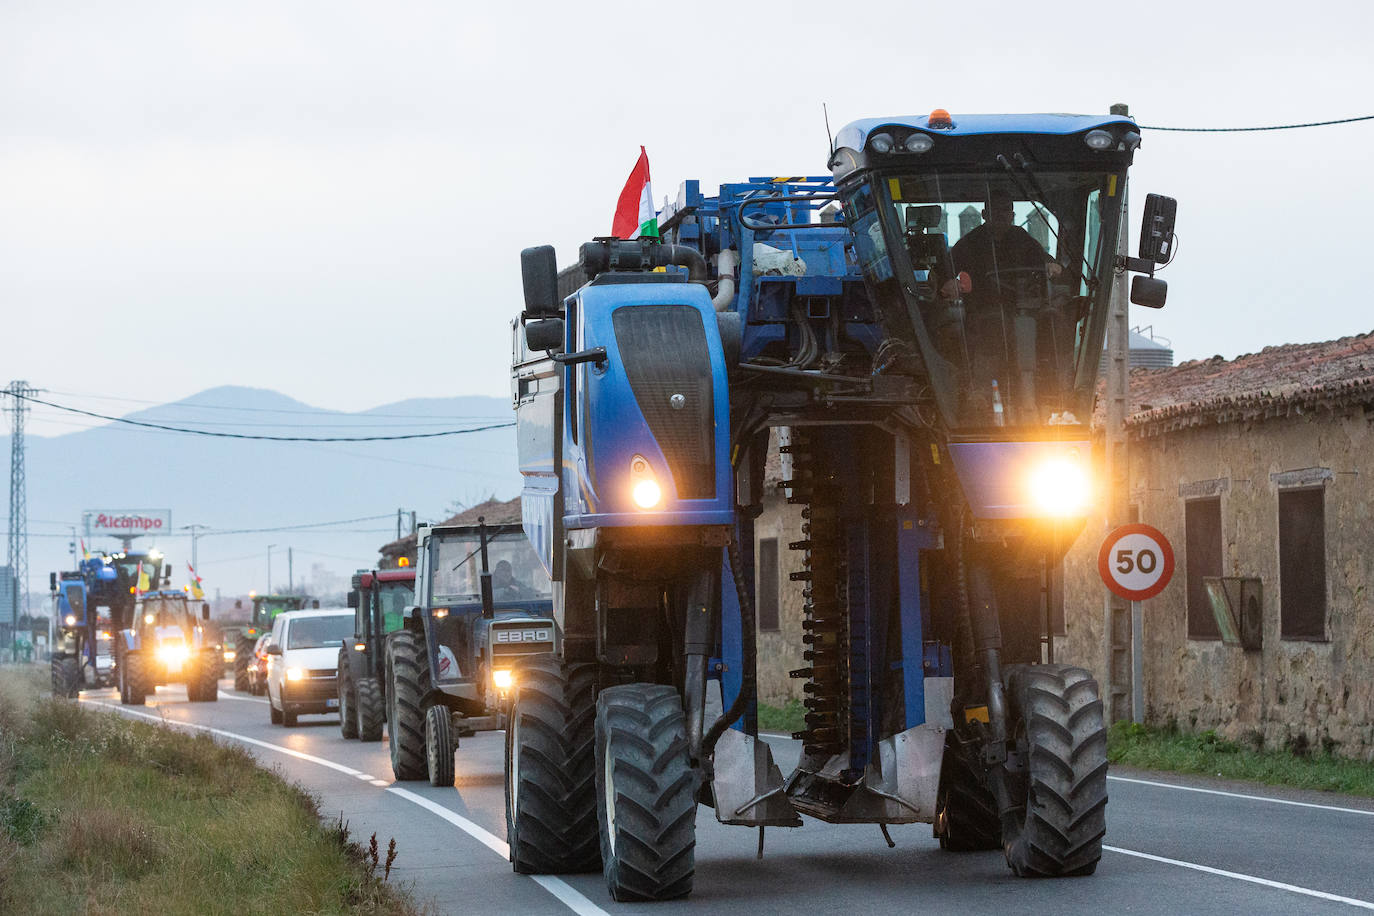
{"x":265,"y":610}
{"x":913,"y":341}
{"x":482,"y":602}
{"x":379,"y":598}
{"x":166,"y":643}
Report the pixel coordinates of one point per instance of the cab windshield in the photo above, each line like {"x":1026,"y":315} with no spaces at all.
{"x":516,"y":574}
{"x":392,"y":600}
{"x":164,"y":612}
{"x":1005,"y":277}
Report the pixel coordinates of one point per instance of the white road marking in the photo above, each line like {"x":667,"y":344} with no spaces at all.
{"x":1265,"y":882}
{"x":226,"y":695}
{"x":1262,"y":798}
{"x":572,"y":898}
{"x":566,"y":894}
{"x":366,"y":777}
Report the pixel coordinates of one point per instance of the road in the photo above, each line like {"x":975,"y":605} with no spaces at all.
{"x":1174,"y":844}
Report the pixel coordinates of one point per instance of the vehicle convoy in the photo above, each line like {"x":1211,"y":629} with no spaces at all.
{"x":91,"y":603}
{"x":930,"y":403}
{"x":379,"y":599}
{"x":165,"y":643}
{"x":265,"y":611}
{"x":482,"y":602}
{"x":302,"y":650}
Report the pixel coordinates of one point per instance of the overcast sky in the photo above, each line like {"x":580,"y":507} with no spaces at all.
{"x":195,"y":194}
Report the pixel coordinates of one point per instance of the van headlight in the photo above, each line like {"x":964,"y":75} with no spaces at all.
{"x":1060,"y":487}
{"x":295,"y":674}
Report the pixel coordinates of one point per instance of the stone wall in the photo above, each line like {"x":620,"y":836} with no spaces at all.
{"x":780,"y":651}
{"x":1290,"y":692}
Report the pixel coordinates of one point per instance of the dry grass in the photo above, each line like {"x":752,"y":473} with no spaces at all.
{"x":100,"y":814}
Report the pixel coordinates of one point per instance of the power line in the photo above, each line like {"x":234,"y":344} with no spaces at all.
{"x":218,"y":435}
{"x":1232,"y":130}
{"x":312,"y":411}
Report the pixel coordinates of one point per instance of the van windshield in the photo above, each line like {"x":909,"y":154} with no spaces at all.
{"x":318,"y":632}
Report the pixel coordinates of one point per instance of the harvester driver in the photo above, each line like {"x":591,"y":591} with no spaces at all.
{"x":997,"y":251}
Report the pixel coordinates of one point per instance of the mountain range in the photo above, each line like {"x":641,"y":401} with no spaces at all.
{"x":230,"y":484}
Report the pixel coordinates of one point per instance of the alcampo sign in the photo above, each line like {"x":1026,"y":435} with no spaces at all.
{"x":126,"y":521}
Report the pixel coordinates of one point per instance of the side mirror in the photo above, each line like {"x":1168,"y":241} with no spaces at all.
{"x":544,"y":335}
{"x":238,"y":605}
{"x":52,"y":581}
{"x":539,"y":273}
{"x":205,"y":610}
{"x":353,"y":599}
{"x":1157,"y":231}
{"x":273,"y":649}
{"x":315,"y":604}
{"x":1149,"y":292}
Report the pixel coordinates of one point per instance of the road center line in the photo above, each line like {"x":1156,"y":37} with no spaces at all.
{"x":566,"y":894}
{"x":1263,"y":798}
{"x":1265,"y":882}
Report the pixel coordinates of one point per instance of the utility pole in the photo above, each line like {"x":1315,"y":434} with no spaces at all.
{"x":1116,"y":612}
{"x":19,"y":391}
{"x":290,"y":573}
{"x":269,"y":567}
{"x":195,"y":543}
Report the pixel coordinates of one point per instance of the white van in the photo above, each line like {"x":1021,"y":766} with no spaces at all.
{"x":302,"y":662}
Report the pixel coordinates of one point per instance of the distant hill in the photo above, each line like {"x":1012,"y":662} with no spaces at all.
{"x":228,"y":483}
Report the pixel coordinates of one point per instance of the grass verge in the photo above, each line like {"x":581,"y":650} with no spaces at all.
{"x":1207,"y":753}
{"x":102,"y":814}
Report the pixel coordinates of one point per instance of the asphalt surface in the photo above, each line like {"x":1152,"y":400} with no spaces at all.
{"x":1174,"y":844}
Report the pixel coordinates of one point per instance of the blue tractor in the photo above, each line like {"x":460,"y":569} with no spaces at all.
{"x":93,"y":602}
{"x":918,"y":337}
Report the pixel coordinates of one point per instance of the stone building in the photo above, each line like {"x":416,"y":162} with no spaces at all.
{"x":1258,"y":470}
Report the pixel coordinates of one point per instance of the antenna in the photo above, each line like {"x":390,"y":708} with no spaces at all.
{"x":830,"y":140}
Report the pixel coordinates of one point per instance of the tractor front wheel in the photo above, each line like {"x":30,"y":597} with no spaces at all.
{"x":550,"y":758}
{"x":348,"y":720}
{"x":133,"y":679}
{"x":66,"y":676}
{"x":1056,"y":714}
{"x":965,"y":812}
{"x":440,"y":743}
{"x":645,"y":793}
{"x":243,"y":654}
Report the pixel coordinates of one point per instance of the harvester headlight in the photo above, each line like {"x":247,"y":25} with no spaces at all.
{"x":1098,"y":139}
{"x":647,"y":493}
{"x":173,"y":655}
{"x":502,"y":678}
{"x":295,"y":674}
{"x":919,"y":143}
{"x":880,"y":143}
{"x":644,"y":488}
{"x":1061,"y":487}
{"x":70,"y":619}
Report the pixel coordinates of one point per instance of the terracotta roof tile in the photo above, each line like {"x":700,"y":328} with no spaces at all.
{"x":495,"y":511}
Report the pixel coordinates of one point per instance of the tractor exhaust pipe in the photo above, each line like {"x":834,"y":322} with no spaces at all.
{"x":602,"y":255}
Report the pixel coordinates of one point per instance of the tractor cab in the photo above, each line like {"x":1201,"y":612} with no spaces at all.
{"x":484,"y":599}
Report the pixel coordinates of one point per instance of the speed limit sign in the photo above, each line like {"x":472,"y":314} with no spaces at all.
{"x":1136,"y":562}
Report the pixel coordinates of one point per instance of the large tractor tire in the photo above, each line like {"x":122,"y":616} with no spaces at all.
{"x":966,"y":817}
{"x":550,"y":762}
{"x":243,"y":654}
{"x":440,"y":743}
{"x":348,"y":719}
{"x":407,"y":676}
{"x":66,"y":676}
{"x":1057,"y":710}
{"x":202,"y":683}
{"x":371,"y":711}
{"x":133,"y":679}
{"x":645,"y":793}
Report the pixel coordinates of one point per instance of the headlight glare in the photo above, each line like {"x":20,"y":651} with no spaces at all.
{"x":502,"y":678}
{"x":647,"y":493}
{"x":71,"y":620}
{"x":1060,"y":487}
{"x":295,"y":674}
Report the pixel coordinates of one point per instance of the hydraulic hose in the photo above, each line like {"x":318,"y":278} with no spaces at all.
{"x":749,"y":677}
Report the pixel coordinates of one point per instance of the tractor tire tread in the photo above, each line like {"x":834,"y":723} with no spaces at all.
{"x":371,"y":711}
{"x":641,"y":745}
{"x":348,"y":699}
{"x":555,"y":831}
{"x":409,"y":682}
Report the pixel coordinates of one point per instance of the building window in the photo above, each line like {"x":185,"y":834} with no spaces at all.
{"x":1302,"y":563}
{"x":1202,"y":552}
{"x":766,"y":599}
